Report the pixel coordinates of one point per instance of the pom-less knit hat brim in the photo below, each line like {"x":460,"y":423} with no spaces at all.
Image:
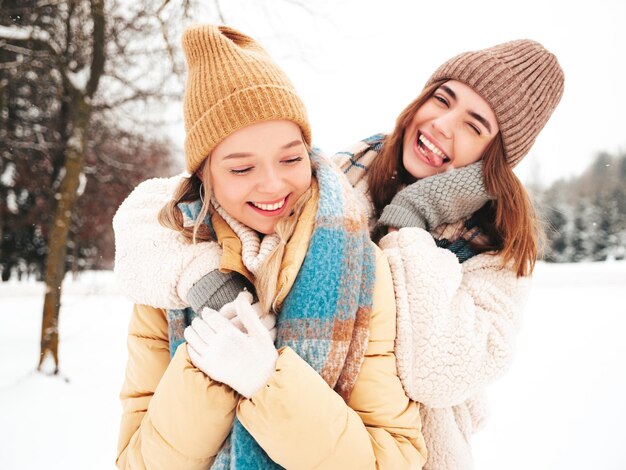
{"x":232,"y":83}
{"x":521,"y":81}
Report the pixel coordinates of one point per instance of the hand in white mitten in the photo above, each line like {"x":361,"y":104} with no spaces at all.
{"x":244,"y":361}
{"x":229,"y":311}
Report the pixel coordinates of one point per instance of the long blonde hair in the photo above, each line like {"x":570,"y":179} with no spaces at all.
{"x":194,"y":188}
{"x":266,"y":282}
{"x":510,"y":221}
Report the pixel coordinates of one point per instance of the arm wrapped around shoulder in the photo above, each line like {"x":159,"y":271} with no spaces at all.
{"x":155,"y":265}
{"x":456,"y":322}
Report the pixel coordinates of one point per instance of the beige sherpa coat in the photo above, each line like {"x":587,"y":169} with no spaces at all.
{"x":457,"y":323}
{"x":456,"y":331}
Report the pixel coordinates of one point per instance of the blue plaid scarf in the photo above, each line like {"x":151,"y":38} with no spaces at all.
{"x":325,"y":316}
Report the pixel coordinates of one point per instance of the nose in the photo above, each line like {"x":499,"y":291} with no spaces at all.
{"x":270,"y":182}
{"x":442,"y":126}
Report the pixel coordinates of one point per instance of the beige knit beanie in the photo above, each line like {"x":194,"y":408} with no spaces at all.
{"x":521,"y":80}
{"x":232,"y":83}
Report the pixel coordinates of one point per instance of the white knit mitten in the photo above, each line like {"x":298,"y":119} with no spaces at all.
{"x":244,"y":361}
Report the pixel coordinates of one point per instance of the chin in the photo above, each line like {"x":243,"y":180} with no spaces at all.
{"x":417,"y":169}
{"x":263,"y":229}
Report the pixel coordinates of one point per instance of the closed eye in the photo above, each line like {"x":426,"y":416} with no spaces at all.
{"x":293,"y":160}
{"x":240,"y":171}
{"x":474,"y":128}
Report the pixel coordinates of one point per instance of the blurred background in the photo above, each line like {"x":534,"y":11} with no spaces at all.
{"x":91,"y":105}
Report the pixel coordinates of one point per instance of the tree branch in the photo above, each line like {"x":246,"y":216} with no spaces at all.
{"x":21,"y":144}
{"x":10,"y":65}
{"x":137,"y":93}
{"x":220,"y":12}
{"x":137,"y":96}
{"x":98,"y":58}
{"x":28,"y":33}
{"x":114,"y":163}
{"x":166,"y":39}
{"x":21,"y":46}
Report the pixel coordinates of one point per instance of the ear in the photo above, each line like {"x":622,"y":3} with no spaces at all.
{"x":200,"y":171}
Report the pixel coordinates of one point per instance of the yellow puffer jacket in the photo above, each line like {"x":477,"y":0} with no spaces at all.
{"x":175,"y":417}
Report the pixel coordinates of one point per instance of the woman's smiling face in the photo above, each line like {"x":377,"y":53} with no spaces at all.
{"x":259,"y":172}
{"x":452,"y":129}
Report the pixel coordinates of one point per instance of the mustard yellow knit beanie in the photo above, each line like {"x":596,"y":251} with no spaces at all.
{"x":231,"y":83}
{"x":521,"y":80}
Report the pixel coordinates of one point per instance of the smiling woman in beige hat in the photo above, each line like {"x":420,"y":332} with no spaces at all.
{"x":304,"y":378}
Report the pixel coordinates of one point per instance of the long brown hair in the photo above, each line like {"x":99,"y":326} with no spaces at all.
{"x":509,"y":221}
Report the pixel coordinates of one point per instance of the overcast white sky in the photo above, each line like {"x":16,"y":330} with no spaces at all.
{"x":364,"y":60}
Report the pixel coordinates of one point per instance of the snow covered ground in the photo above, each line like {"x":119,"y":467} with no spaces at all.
{"x":561,"y":406}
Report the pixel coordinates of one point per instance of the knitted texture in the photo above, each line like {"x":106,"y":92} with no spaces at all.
{"x":442,"y":198}
{"x":254,"y":250}
{"x":231,"y":83}
{"x":461,"y":246}
{"x":215,"y":290}
{"x":521,"y":81}
{"x":325,"y":316}
{"x":439,"y":199}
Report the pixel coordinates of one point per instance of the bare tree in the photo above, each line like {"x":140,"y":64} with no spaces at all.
{"x":97,"y":62}
{"x":73,"y":39}
{"x":66,"y":47}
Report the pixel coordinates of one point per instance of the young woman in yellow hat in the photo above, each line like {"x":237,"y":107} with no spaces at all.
{"x":306,"y":376}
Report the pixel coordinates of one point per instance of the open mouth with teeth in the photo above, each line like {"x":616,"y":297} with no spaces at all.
{"x":432,"y":154}
{"x":271,"y":208}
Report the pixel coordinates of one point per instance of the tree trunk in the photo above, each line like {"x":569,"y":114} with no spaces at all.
{"x":75,"y":149}
{"x":57,"y":245}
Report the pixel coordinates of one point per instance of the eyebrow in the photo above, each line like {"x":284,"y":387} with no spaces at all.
{"x":237,"y":155}
{"x":234,"y":155}
{"x":293,"y":143}
{"x":475,"y":115}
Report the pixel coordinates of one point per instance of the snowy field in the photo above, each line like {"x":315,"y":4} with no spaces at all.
{"x":561,"y":406}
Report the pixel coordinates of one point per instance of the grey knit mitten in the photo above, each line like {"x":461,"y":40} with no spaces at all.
{"x":216,"y":289}
{"x":439,"y":199}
